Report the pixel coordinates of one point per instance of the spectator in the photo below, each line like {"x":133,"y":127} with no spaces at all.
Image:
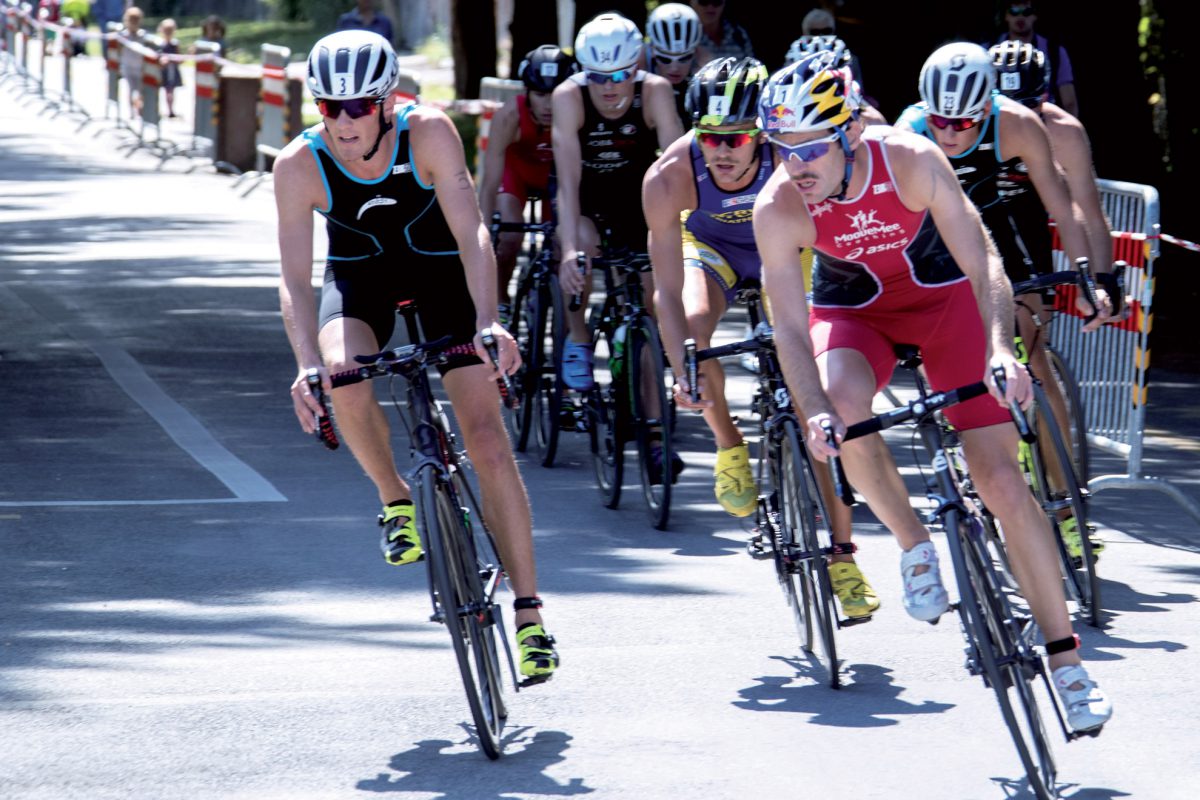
{"x":106,"y":11}
{"x":213,"y":30}
{"x":366,"y":18}
{"x":1020,"y":17}
{"x":720,"y":37}
{"x":131,"y":60}
{"x":171,"y":79}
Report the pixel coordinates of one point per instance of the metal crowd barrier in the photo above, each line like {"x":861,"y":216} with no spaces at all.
{"x":1110,"y":365}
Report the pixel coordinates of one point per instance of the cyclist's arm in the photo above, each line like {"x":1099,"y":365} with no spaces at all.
{"x":782,"y":227}
{"x":567,"y":107}
{"x":298,"y":190}
{"x":503,"y":131}
{"x":926,"y":181}
{"x":439,"y":160}
{"x":1072,"y":150}
{"x":667,"y":190}
{"x":659,"y":111}
{"x":1023,"y":135}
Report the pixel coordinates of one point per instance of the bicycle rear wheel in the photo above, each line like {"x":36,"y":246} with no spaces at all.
{"x":807,"y":538}
{"x":466,"y":609}
{"x":1082,"y":580}
{"x":651,"y":416}
{"x":1077,"y":435}
{"x":1000,"y":649}
{"x":524,"y":327}
{"x":607,"y":410}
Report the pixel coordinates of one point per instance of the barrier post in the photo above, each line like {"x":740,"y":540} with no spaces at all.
{"x":207,"y":86}
{"x":112,"y":61}
{"x":272,"y":107}
{"x":1110,"y":365}
{"x":151,"y":81}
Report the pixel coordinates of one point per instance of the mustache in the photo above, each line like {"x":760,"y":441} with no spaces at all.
{"x":805,"y":176}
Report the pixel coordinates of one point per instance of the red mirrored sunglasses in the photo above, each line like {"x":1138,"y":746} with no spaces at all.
{"x":356,"y":107}
{"x":955,"y":123}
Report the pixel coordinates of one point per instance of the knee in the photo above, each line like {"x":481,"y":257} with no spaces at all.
{"x":354,"y":398}
{"x":486,"y":441}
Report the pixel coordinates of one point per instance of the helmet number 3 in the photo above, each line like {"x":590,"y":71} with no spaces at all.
{"x":342,"y":80}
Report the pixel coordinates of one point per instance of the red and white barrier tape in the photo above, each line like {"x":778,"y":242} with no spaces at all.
{"x":1184,"y":243}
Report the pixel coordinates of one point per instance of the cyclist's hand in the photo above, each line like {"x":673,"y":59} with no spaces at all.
{"x":1103,"y":309}
{"x":1018,"y":385}
{"x":818,"y":447}
{"x":303,"y":402}
{"x":507,"y":354}
{"x":683,"y":395}
{"x":569,"y":279}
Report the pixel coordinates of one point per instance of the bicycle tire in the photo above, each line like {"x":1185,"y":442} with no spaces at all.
{"x":523,"y":326}
{"x":806,"y":534}
{"x":1082,"y":580}
{"x":642,"y":337}
{"x":466,"y":611}
{"x":1076,"y":412}
{"x":550,"y":386}
{"x":1008,"y":668}
{"x":606,"y":406}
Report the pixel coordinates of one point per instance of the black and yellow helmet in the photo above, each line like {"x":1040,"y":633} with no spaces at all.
{"x":725,"y":91}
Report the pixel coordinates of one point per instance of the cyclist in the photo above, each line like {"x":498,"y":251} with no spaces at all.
{"x":519,"y":156}
{"x":903,"y":257}
{"x":609,"y":123}
{"x":673,"y":32}
{"x":710,"y":177}
{"x":1002,"y":156}
{"x":403,"y":222}
{"x":828,"y":43}
{"x":1023,"y":76}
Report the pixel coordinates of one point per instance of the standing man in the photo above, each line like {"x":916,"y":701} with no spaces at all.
{"x":903,"y":258}
{"x":711,"y":178}
{"x":609,"y":123}
{"x":365,"y":18}
{"x":403,"y":223}
{"x":1020,"y":18}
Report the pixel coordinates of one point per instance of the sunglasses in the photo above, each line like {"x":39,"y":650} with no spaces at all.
{"x":807,"y":152}
{"x":1021,"y":11}
{"x":356,"y":107}
{"x":954,"y":123}
{"x":666,"y":61}
{"x":601,"y":78}
{"x":731,"y":139}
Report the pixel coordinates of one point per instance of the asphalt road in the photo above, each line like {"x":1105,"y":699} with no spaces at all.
{"x":192,"y":603}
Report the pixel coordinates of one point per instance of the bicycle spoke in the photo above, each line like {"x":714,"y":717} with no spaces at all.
{"x":651,"y":418}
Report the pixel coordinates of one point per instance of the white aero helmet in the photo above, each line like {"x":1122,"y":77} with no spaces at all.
{"x":349,"y":64}
{"x":674,"y":29}
{"x":608,"y":43}
{"x":957,"y":80}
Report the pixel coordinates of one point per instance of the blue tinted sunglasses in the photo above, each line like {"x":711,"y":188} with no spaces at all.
{"x":806,"y":152}
{"x":601,"y":78}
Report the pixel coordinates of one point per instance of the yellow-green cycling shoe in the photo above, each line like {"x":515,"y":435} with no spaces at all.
{"x":1068,"y":529}
{"x":539,"y":659}
{"x":856,"y":596}
{"x":735,"y":487}
{"x":400,"y":543}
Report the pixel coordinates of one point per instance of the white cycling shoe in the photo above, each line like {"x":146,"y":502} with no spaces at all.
{"x":925,"y":597}
{"x":1088,"y":708}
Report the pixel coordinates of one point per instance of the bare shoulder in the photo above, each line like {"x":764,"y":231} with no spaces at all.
{"x":905,"y":148}
{"x":295,"y":172}
{"x":670,"y":176}
{"x":1063,"y":126}
{"x":430,"y":121}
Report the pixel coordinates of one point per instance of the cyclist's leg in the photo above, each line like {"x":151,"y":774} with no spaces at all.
{"x":512,"y":209}
{"x":1036,"y":338}
{"x":704,"y":303}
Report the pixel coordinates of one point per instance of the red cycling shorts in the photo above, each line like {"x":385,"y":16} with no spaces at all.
{"x":946,"y":326}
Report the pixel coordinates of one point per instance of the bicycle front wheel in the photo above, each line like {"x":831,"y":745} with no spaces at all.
{"x":1076,"y":413}
{"x":1062,"y":503}
{"x":549,"y":388}
{"x":651,"y":418}
{"x":466,"y":609}
{"x":806,"y":537}
{"x":1000,"y":648}
{"x":524,"y":328}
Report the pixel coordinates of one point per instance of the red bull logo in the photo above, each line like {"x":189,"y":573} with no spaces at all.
{"x":780,"y":117}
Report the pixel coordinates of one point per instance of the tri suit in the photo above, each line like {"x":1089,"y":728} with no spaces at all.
{"x":615,"y":155}
{"x":528,"y":160}
{"x":389,"y":242}
{"x":883,"y":276}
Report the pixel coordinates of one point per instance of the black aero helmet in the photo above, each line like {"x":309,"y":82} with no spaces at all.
{"x":1022,"y":72}
{"x":545,"y":67}
{"x":726,"y":91}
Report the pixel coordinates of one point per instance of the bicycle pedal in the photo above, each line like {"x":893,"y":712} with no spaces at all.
{"x":756,"y":548}
{"x":533,"y":680}
{"x":847,"y":622}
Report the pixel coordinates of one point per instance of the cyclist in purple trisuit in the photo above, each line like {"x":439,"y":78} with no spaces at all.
{"x":403,"y":223}
{"x":519,"y":156}
{"x":709,"y":178}
{"x":902,"y":257}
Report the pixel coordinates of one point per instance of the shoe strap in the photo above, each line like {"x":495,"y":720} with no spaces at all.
{"x":401,"y":508}
{"x":524,"y":603}
{"x":1063,"y":645}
